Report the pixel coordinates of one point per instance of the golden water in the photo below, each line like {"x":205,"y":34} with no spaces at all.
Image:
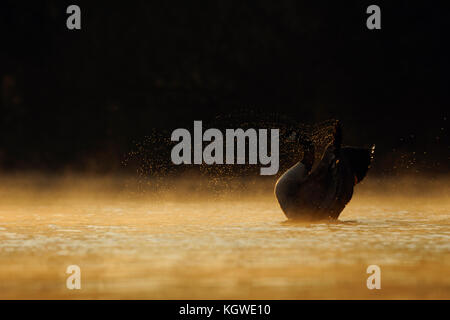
{"x":181,"y":245}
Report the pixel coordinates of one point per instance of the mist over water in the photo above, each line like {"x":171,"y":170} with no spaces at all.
{"x":188,"y":240}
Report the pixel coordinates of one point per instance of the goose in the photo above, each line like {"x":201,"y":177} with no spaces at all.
{"x":322,"y":193}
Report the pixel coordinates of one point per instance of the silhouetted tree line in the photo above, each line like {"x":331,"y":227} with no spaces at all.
{"x":81,"y":99}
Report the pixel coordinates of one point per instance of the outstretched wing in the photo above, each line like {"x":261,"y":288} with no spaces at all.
{"x":359,"y":159}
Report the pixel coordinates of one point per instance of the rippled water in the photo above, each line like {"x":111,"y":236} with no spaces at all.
{"x":209,"y":248}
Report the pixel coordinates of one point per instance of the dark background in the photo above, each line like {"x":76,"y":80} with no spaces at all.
{"x":78,"y":100}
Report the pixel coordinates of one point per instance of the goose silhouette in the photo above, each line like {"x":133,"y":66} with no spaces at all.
{"x":322,"y":193}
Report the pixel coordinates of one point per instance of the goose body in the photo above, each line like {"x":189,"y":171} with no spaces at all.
{"x":322,"y":193}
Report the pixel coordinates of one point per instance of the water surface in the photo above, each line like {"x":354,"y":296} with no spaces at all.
{"x":209,"y":247}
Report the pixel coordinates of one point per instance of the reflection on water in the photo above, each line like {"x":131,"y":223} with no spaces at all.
{"x":208,"y":248}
